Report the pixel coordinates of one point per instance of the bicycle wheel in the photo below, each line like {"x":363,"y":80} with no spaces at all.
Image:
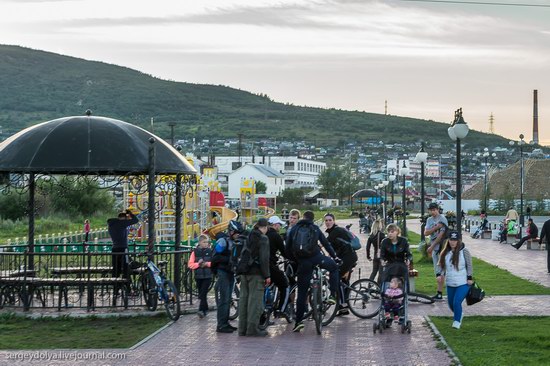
{"x":329,"y":310}
{"x":234,"y":305}
{"x":149,"y":288}
{"x":421,"y":298}
{"x":171,"y":300}
{"x":290,"y":310}
{"x":364,"y":299}
{"x":317,"y":308}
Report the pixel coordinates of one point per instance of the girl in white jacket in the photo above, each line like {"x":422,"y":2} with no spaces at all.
{"x":456,"y":264}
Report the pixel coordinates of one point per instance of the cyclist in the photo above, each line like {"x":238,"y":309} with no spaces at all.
{"x":293,"y":218}
{"x":224,"y":285}
{"x":276,"y":244}
{"x":307,"y":258}
{"x":339,"y":239}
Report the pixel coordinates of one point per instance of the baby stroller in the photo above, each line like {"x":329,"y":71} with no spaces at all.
{"x":363,"y":224}
{"x":477,"y":234}
{"x":401,"y":271}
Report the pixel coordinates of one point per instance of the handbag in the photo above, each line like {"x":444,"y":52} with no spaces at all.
{"x":475,"y":295}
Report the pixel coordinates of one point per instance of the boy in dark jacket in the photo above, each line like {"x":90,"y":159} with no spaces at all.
{"x":200,"y":262}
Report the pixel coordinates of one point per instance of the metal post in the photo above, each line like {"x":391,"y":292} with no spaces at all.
{"x":485,"y":188}
{"x":151,"y":199}
{"x":404,"y":208}
{"x":521,"y":221}
{"x":30,"y":208}
{"x":177,"y":239}
{"x":422,"y":200}
{"x":458,"y":190}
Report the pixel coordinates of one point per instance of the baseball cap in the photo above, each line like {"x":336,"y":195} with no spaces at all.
{"x":453,"y":235}
{"x":275,"y":220}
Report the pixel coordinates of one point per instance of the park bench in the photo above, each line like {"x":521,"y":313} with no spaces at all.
{"x":533,"y":243}
{"x":17,"y":273}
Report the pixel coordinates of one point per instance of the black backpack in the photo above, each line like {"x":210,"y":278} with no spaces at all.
{"x":304,"y":241}
{"x":236,"y":252}
{"x":245,"y":261}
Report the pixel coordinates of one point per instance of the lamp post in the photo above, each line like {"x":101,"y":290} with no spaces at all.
{"x":404,"y":171}
{"x":485,"y":156}
{"x":458,"y":131}
{"x":422,"y":157}
{"x":391,"y":178}
{"x":520,"y":143}
{"x":385,"y":206}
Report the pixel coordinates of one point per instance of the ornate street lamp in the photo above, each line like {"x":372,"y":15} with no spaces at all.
{"x":422,"y":157}
{"x":485,"y":156}
{"x":385,"y":207}
{"x":520,"y":143}
{"x":404,"y":171}
{"x":458,"y":131}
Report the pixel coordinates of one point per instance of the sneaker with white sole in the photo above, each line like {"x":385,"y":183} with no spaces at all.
{"x":298,"y":327}
{"x":456,"y":325}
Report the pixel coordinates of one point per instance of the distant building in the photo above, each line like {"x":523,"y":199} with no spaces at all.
{"x":273,"y":179}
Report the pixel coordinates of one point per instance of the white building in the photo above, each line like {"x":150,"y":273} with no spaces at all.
{"x":297,"y":172}
{"x":273,"y":179}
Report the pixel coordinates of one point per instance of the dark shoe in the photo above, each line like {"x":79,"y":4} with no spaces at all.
{"x":516,"y":246}
{"x":343,"y":311}
{"x":200,"y":314}
{"x":231,"y":327}
{"x":439,"y":296}
{"x":242,"y":334}
{"x":298,"y":327}
{"x":225,"y":330}
{"x":401,"y":320}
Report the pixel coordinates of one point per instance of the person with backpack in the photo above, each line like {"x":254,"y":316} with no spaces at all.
{"x":437,"y":228}
{"x":277,"y":245}
{"x":302,"y":246}
{"x":222,"y":265}
{"x":200,"y":262}
{"x":255,"y":276}
{"x":340,"y":240}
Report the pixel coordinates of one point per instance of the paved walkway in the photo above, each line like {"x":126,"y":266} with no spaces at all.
{"x":347,"y":341}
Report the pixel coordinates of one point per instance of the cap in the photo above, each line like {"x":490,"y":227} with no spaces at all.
{"x":433,"y":205}
{"x":275,"y":220}
{"x":262,"y":222}
{"x":453,"y":235}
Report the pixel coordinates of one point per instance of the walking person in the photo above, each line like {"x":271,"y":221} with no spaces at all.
{"x":86,"y":230}
{"x":254,"y":281}
{"x":375,"y":238}
{"x":118,"y":230}
{"x":545,"y":233}
{"x":200,"y":262}
{"x":226,"y":277}
{"x":532,"y":232}
{"x":456,"y":266}
{"x":276,"y":248}
{"x":437,"y":228}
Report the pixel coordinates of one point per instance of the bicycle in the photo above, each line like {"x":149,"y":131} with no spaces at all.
{"x":319,"y":292}
{"x":156,"y":286}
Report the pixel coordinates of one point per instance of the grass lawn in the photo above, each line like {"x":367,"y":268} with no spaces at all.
{"x":494,"y":280}
{"x":496,"y":340}
{"x":74,"y":333}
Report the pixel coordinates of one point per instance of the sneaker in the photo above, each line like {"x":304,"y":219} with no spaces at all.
{"x":225,"y":330}
{"x":439,"y":296}
{"x":343,"y":311}
{"x":331,"y":300}
{"x":200,"y":314}
{"x":298,"y":327}
{"x":456,"y":325}
{"x":231,"y":327}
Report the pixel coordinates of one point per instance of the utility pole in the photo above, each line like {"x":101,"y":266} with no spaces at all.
{"x":172,"y":125}
{"x":240,"y":149}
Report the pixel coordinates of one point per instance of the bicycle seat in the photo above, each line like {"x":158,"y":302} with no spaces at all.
{"x":162,"y":263}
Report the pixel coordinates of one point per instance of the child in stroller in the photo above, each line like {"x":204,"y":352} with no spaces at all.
{"x":482,"y":226}
{"x":363,"y":224}
{"x":393,"y":299}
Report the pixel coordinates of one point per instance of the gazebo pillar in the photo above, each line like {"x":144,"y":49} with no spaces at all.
{"x":151,"y":200}
{"x":30,"y":209}
{"x":177,"y":239}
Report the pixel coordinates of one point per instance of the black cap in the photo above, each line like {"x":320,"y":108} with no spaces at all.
{"x":262,"y":222}
{"x":454,"y":235}
{"x":433,"y":205}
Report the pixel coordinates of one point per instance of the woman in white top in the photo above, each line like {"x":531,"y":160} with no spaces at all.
{"x":456,"y":264}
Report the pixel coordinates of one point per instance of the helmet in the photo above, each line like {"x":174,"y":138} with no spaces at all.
{"x":235,"y":226}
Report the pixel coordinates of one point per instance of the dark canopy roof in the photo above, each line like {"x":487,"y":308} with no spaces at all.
{"x":365,"y":193}
{"x":88,"y":145}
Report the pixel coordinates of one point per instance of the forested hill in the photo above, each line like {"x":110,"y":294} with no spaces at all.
{"x":37,"y":86}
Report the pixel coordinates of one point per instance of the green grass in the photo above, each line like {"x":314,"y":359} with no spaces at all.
{"x":74,"y":333}
{"x":494,"y":280}
{"x":495,"y":340}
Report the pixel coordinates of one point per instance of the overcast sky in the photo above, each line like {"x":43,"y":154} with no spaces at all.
{"x":425,"y":59}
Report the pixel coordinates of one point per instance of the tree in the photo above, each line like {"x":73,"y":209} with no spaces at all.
{"x":293,"y":196}
{"x":261,"y":187}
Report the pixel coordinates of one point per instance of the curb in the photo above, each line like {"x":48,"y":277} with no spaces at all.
{"x":146,"y":339}
{"x":452,"y":355}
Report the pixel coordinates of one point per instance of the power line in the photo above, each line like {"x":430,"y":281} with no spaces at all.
{"x":480,"y":3}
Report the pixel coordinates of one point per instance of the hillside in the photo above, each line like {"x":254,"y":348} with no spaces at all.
{"x":506,"y":183}
{"x":36,"y":86}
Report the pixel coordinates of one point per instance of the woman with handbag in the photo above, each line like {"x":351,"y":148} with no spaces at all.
{"x":375,"y":237}
{"x":456,"y":265}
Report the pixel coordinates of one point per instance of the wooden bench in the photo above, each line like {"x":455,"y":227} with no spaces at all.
{"x":60,"y":271}
{"x":18,"y":273}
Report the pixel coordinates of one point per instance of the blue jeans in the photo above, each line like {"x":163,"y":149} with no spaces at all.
{"x":305,"y":272}
{"x":224,"y":289}
{"x":455,"y":298}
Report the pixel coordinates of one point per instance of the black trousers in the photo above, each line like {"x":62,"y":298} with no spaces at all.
{"x":279,"y":279}
{"x":375,"y":274}
{"x":119,"y":262}
{"x":523,"y":240}
{"x":202,"y":285}
{"x":548,"y":254}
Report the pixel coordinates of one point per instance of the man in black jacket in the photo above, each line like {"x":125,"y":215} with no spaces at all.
{"x":545,"y":233}
{"x":533,"y":233}
{"x":277,"y":244}
{"x":118,"y":230}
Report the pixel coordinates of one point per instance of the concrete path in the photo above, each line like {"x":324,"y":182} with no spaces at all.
{"x":347,"y":341}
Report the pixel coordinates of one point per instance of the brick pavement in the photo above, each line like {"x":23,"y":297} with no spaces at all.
{"x":347,"y":341}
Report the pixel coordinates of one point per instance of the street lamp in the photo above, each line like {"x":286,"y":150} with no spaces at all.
{"x":520,"y":143}
{"x":391,"y":178}
{"x":385,"y":206}
{"x":486,"y":155}
{"x":422,"y":157}
{"x":458,"y":131}
{"x":404,"y":171}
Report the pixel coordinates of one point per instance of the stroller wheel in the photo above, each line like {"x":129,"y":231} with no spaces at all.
{"x":409,"y":326}
{"x":403,"y":328}
{"x":374,"y":326}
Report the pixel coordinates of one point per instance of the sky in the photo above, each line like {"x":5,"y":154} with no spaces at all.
{"x":426,"y":59}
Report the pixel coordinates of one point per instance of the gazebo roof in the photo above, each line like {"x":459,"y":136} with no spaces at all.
{"x":88,"y":145}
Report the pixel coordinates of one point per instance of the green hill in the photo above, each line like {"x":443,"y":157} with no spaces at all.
{"x":37,"y":86}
